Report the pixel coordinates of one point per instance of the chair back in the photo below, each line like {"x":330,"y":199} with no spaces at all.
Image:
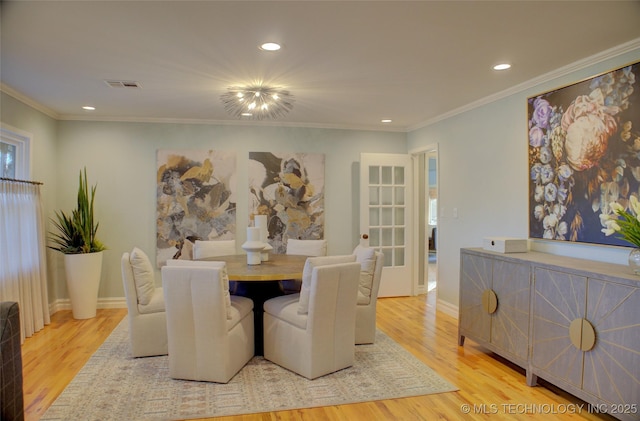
{"x":203,"y":249}
{"x":322,"y":340}
{"x":334,"y":291}
{"x":195,"y":263}
{"x":195,"y":292}
{"x":307,"y":247}
{"x":129,"y":285}
{"x":332,"y":312}
{"x":209,"y":339}
{"x":372,"y":263}
{"x":147,"y":324}
{"x":377,"y":276}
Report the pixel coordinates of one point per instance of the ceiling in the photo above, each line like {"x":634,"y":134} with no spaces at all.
{"x":348,"y":64}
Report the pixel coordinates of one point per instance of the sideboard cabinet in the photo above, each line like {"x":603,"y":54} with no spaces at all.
{"x":494,"y":305}
{"x":573,"y":322}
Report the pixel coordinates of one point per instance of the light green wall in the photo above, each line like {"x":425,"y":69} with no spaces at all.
{"x":482,"y":160}
{"x":121,"y":159}
{"x":483,"y":173}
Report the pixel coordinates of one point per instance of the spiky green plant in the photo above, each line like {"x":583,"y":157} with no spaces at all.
{"x":77,"y":232}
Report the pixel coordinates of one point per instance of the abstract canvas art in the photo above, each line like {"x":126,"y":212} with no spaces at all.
{"x":289,"y":189}
{"x":584,"y":154}
{"x":196,"y":200}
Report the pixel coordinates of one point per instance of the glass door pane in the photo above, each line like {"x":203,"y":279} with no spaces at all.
{"x":387,"y":227}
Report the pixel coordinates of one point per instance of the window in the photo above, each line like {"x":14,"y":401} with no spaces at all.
{"x":7,"y":160}
{"x":14,"y":154}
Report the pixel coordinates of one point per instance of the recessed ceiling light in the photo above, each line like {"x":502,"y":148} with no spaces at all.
{"x":88,"y":108}
{"x":501,"y":66}
{"x":270,"y":46}
{"x":386,"y":120}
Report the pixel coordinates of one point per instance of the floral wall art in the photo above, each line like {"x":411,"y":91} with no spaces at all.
{"x":584,"y":154}
{"x":196,"y":200}
{"x":289,"y":189}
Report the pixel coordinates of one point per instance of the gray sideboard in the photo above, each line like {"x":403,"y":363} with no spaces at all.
{"x":572,"y":322}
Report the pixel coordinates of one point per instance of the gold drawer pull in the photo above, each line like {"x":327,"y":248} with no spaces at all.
{"x":489,"y":301}
{"x":582,"y":334}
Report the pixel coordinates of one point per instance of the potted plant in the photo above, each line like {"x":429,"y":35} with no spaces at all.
{"x":76,"y":239}
{"x":625,"y":222}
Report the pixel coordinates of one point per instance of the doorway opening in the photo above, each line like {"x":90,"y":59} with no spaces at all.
{"x":427,"y":209}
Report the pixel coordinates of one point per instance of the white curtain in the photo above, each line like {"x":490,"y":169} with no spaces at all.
{"x":23,"y":268}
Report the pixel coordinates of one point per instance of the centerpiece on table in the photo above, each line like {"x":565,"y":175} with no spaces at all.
{"x":76,"y":239}
{"x":625,"y":223}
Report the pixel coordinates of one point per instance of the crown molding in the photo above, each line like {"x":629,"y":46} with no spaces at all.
{"x":254,"y":123}
{"x":28,"y":101}
{"x":563,"y":71}
{"x":547,"y":77}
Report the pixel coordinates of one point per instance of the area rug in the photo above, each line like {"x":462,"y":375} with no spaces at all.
{"x":114,"y":386}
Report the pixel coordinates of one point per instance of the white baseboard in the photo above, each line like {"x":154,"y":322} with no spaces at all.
{"x":110,"y":302}
{"x":447,"y":308}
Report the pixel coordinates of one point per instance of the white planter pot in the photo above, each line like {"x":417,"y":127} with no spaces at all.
{"x":83,"y":280}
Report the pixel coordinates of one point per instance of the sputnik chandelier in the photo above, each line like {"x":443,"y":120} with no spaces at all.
{"x":257,"y":102}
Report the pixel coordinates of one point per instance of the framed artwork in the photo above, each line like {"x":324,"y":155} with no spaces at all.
{"x":584,"y":154}
{"x":196,"y":200}
{"x":289,"y":189}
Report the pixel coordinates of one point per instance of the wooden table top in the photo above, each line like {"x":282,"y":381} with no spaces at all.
{"x":277,"y":268}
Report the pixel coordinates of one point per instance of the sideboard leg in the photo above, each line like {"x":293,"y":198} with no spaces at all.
{"x":532,"y":379}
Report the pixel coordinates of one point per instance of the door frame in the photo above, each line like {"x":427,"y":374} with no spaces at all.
{"x":420,"y":239}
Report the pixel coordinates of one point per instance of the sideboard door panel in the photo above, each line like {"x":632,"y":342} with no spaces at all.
{"x":475,"y":279}
{"x":510,"y":325}
{"x":559,"y":298}
{"x":612,"y":367}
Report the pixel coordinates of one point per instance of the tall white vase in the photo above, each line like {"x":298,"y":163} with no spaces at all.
{"x":253,"y":246}
{"x":260,"y":221}
{"x":83,"y":280}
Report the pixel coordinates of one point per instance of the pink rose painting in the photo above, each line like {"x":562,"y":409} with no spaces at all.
{"x":584,"y":155}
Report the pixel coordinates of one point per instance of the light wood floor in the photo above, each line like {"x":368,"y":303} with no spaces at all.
{"x":491,"y":387}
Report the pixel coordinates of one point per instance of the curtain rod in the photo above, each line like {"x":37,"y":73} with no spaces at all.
{"x":15,"y":180}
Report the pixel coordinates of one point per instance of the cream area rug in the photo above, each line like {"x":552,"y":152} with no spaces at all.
{"x":114,"y":386}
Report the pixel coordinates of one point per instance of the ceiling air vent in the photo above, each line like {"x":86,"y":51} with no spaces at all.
{"x":123,"y":84}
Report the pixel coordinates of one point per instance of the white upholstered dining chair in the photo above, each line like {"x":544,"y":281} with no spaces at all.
{"x":313,"y":333}
{"x":307,"y":247}
{"x":210,"y":333}
{"x":145,"y":305}
{"x":302,"y":248}
{"x":371,"y":263}
{"x":213,"y":248}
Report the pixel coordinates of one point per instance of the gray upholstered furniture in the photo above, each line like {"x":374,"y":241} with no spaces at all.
{"x":145,"y":304}
{"x":573,"y":322}
{"x":210,"y":332}
{"x":315,"y":336}
{"x":11,"y":395}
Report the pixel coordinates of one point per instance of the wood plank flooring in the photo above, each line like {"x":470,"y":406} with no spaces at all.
{"x":492,"y":388}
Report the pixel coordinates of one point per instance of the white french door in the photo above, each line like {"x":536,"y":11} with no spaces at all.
{"x":386,"y":217}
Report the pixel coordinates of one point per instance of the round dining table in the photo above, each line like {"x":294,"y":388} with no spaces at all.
{"x":261,"y":282}
{"x":277,"y":268}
